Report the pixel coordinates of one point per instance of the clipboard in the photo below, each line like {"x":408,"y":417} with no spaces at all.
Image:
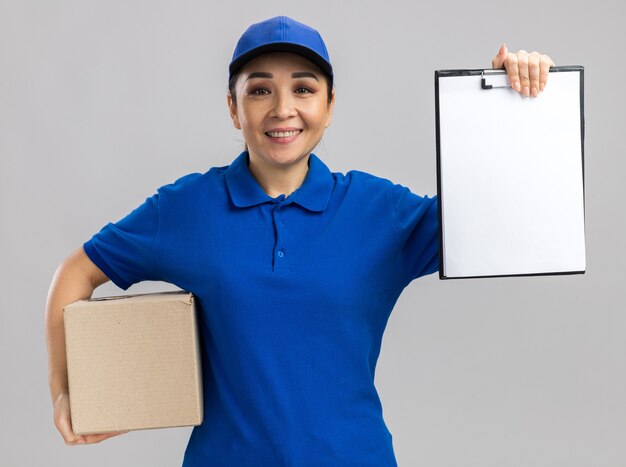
{"x":510,"y":175}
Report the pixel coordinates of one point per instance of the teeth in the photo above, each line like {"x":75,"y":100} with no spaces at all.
{"x":282,"y":134}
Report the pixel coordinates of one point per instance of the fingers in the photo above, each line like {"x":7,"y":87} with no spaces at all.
{"x":522,"y":70}
{"x":527,"y":72}
{"x":95,"y":438}
{"x":512,"y":70}
{"x":64,"y":426}
{"x":498,"y":60}
{"x":544,"y":69}
{"x":533,"y":73}
{"x":63,"y":422}
{"x":89,"y":439}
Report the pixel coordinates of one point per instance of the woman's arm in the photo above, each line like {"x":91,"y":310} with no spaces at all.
{"x":75,"y":279}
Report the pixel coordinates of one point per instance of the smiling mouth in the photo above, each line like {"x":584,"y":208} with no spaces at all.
{"x":283,"y":134}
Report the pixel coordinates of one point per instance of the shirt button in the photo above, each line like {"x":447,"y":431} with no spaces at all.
{"x":281,"y":253}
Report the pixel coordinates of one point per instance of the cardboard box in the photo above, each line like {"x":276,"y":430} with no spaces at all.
{"x":133,"y":362}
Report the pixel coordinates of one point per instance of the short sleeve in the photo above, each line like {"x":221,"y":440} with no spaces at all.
{"x":417,"y":223}
{"x":123,"y":250}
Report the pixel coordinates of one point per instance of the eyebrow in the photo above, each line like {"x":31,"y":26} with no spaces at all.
{"x":297,"y":74}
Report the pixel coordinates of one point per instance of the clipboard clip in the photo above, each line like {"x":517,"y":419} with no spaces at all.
{"x":493,"y":79}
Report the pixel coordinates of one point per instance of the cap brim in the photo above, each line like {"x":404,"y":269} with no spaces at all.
{"x":281,"y":47}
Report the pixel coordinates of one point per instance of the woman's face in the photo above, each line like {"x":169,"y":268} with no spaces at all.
{"x":281,"y":107}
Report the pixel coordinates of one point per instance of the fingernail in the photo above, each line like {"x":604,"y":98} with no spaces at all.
{"x":517,"y":86}
{"x":542,"y":86}
{"x":526,"y":91}
{"x":534,"y":92}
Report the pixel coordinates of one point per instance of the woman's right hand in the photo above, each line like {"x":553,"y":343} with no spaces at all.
{"x":63,"y":422}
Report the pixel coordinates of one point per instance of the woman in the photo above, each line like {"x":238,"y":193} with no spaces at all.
{"x":296,"y":268}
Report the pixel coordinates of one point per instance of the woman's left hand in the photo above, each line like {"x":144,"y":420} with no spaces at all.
{"x":528,"y":72}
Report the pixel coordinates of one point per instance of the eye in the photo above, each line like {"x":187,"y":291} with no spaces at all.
{"x":259,"y":92}
{"x":303,"y":90}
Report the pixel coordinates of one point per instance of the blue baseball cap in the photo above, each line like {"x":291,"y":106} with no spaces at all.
{"x":280,"y":34}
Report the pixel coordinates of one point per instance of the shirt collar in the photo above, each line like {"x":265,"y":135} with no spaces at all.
{"x":313,"y":194}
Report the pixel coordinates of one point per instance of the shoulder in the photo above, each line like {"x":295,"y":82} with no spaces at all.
{"x":358,"y":179}
{"x":193,"y":183}
{"x":397,"y":195}
{"x":364,"y":191}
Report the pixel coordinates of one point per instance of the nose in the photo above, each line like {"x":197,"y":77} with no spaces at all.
{"x":284,"y":105}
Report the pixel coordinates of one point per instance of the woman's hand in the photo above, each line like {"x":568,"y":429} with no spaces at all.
{"x":528,"y":72}
{"x":63,"y":423}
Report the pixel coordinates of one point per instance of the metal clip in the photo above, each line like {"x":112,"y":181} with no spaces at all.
{"x":483,"y":81}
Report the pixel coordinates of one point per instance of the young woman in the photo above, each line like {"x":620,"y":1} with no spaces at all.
{"x":296,"y":268}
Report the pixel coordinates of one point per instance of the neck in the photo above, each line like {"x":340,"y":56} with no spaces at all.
{"x":278,"y":180}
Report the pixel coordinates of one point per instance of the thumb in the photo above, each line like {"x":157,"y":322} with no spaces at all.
{"x":498,"y":61}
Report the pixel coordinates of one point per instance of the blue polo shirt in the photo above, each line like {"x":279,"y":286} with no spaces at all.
{"x":293,"y":293}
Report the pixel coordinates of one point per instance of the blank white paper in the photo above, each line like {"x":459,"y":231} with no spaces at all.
{"x":511,"y":178}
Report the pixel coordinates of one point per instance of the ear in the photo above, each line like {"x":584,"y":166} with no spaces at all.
{"x":331,"y":108}
{"x":232,"y":108}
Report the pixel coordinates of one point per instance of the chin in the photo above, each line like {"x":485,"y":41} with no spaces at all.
{"x":287,"y":158}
